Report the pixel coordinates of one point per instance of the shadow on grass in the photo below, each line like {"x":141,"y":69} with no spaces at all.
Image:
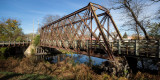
{"x":37,"y":77}
{"x":9,"y":75}
{"x":18,"y":76}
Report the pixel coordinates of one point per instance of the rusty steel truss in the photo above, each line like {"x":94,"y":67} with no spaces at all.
{"x":92,"y":22}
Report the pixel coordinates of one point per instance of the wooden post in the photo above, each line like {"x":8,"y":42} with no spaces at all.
{"x":127,"y":48}
{"x":119,"y":46}
{"x":49,"y":43}
{"x":36,"y":50}
{"x":14,"y":43}
{"x":23,"y":43}
{"x":59,"y":42}
{"x":95,"y":44}
{"x":42,"y":51}
{"x":3,"y":43}
{"x":55,"y":43}
{"x":136,"y":48}
{"x":87,"y":46}
{"x":9,"y":43}
{"x":81,"y":46}
{"x":68,"y":44}
{"x":76,"y":44}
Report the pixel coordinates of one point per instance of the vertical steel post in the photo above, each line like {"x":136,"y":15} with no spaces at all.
{"x":91,"y":36}
{"x":108,"y":26}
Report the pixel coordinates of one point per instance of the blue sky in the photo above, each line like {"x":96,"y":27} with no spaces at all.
{"x":28,"y":10}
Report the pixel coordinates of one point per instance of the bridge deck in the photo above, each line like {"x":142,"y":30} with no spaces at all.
{"x":134,"y":48}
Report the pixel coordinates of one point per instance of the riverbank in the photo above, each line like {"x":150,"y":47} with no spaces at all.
{"x":66,"y":69}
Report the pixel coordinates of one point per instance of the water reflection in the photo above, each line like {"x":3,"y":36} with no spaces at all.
{"x":148,"y":64}
{"x":77,"y":58}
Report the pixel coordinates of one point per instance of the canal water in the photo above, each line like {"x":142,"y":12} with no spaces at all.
{"x":77,"y":58}
{"x":84,"y":59}
{"x":148,"y":64}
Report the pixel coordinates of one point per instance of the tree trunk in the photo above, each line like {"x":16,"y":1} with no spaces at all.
{"x":137,"y":32}
{"x":136,"y":20}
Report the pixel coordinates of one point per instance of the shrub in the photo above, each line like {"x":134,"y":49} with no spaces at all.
{"x":2,"y":52}
{"x":32,"y":52}
{"x":36,"y":40}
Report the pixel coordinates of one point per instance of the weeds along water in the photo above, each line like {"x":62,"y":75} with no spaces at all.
{"x":61,"y":66}
{"x":62,"y":70}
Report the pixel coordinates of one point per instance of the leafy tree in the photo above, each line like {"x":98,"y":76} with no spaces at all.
{"x":2,"y":52}
{"x":37,"y":40}
{"x":29,"y":36}
{"x":125,"y":35}
{"x":10,"y":30}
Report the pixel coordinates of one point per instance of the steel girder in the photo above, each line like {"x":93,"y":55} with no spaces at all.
{"x":87,"y":23}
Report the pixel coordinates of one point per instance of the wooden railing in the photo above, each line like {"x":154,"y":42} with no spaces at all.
{"x":13,"y":43}
{"x":142,"y":48}
{"x":139,"y":48}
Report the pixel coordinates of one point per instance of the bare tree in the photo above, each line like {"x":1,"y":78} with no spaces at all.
{"x":158,"y":12}
{"x":132,"y":9}
{"x":114,"y":34}
{"x":49,"y":18}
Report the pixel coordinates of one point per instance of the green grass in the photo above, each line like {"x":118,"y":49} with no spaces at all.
{"x":19,"y":76}
{"x":2,"y":52}
{"x":66,"y":52}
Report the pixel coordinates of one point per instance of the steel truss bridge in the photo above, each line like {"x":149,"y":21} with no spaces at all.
{"x":88,"y":30}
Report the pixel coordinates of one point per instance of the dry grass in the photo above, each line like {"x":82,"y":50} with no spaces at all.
{"x":63,"y":70}
{"x":146,"y":76}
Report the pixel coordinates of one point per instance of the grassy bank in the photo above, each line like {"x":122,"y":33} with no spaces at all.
{"x":30,"y":69}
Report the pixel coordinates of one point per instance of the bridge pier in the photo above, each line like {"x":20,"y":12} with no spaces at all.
{"x":119,"y":67}
{"x":132,"y":64}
